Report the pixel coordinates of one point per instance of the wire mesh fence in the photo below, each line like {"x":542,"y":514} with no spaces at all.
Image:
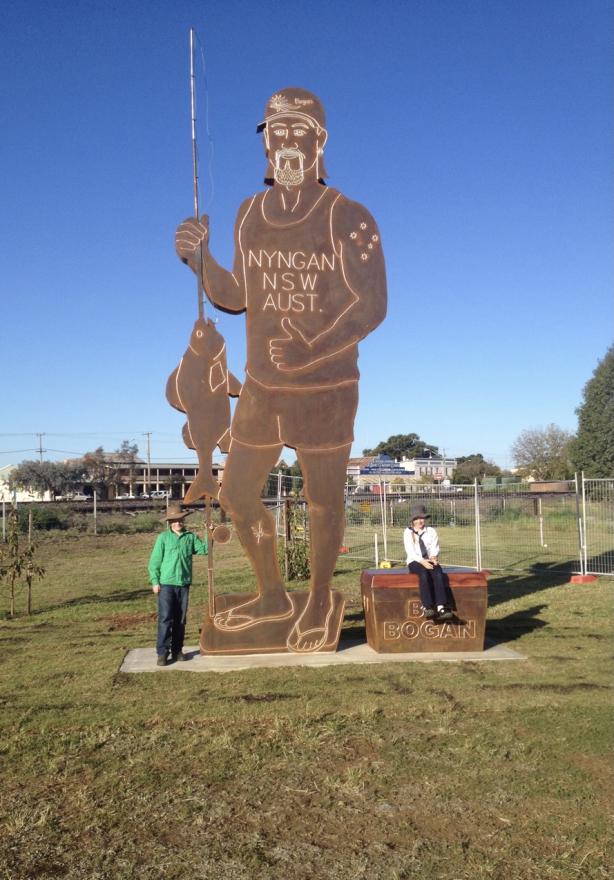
{"x":568,"y":526}
{"x":597,"y":534}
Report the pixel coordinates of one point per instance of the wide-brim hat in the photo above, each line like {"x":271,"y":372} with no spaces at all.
{"x":418,"y":511}
{"x":175,"y":513}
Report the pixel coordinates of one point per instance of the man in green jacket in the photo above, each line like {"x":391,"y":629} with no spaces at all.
{"x":170,"y":573}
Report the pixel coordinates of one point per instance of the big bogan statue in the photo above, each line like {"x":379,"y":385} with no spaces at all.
{"x":309,"y":273}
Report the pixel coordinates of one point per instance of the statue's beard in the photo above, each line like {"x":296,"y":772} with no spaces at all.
{"x":288,"y":168}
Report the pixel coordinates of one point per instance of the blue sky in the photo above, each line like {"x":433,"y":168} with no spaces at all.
{"x":477,"y":132}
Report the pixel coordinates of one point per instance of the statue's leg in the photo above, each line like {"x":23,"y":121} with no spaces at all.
{"x":324,"y":473}
{"x":245,"y":473}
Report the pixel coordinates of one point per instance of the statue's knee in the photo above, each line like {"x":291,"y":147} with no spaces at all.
{"x":227,"y":500}
{"x":240,"y":506}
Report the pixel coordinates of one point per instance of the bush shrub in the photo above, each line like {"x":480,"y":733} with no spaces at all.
{"x":43,"y":518}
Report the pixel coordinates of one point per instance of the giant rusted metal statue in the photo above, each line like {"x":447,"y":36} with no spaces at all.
{"x":309,"y":274}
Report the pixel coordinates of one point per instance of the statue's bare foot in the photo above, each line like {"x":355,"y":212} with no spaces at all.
{"x":310,"y":632}
{"x":263,"y":608}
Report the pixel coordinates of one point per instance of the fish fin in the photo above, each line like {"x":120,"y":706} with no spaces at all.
{"x":234,"y":386}
{"x":172,"y":391}
{"x":187,"y":436}
{"x":217,"y":376}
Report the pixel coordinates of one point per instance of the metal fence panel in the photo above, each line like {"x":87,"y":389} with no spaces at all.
{"x":524,"y":530}
{"x":381,"y":519}
{"x":598,"y":519}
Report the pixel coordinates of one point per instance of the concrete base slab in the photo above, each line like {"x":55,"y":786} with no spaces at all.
{"x":144,"y":659}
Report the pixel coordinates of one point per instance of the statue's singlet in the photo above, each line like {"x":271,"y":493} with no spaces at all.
{"x":293,"y":271}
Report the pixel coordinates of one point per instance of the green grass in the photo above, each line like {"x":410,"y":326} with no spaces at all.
{"x":432,"y":771}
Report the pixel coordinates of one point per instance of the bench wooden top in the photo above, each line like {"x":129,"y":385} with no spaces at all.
{"x":401,"y":579}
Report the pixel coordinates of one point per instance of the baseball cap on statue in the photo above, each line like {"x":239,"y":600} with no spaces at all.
{"x":298,"y":102}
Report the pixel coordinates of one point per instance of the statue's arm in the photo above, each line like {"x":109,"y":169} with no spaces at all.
{"x":358,"y":247}
{"x":225,"y":289}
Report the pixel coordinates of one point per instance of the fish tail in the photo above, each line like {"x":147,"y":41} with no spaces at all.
{"x":204,"y":484}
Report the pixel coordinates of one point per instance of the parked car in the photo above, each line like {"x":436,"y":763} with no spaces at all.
{"x":160,"y":493}
{"x":144,"y":495}
{"x":124,"y":497}
{"x":81,"y":496}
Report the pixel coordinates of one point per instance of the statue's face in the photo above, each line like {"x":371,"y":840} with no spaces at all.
{"x":293,"y":146}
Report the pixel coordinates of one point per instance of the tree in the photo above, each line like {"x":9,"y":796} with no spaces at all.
{"x":55,"y":477}
{"x":17,"y":564}
{"x":470,"y":467}
{"x":408,"y":445}
{"x":543,"y":453}
{"x":593,"y":449}
{"x":106,"y":469}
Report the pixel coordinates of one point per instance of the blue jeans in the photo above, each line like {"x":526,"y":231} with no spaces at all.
{"x":172,"y":613}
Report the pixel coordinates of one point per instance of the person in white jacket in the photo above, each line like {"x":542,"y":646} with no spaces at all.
{"x":422,"y":548}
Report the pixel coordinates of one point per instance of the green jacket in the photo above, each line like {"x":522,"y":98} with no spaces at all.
{"x":171,"y":558}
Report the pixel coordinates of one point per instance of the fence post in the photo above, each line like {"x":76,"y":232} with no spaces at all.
{"x":541,"y":521}
{"x":95,"y":512}
{"x":4,"y":522}
{"x":478,"y":533}
{"x":579,"y":524}
{"x":376,"y":550}
{"x":585,"y":541}
{"x":278,"y":510}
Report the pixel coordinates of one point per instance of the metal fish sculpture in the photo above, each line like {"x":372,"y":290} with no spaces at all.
{"x":200,"y":387}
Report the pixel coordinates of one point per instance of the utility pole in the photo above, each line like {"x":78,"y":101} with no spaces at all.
{"x":148,"y":435}
{"x":40,"y":446}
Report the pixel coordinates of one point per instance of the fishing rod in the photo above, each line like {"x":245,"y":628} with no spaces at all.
{"x":199,"y":275}
{"x":201,"y":308}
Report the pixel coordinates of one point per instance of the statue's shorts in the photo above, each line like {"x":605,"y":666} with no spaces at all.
{"x":303,"y":418}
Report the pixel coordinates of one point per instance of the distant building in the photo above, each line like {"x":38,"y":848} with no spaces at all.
{"x":437,"y":467}
{"x":20,"y":495}
{"x":135,"y":478}
{"x":371,"y":473}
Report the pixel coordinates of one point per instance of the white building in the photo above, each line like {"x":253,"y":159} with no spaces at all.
{"x":437,"y":467}
{"x":20,"y":495}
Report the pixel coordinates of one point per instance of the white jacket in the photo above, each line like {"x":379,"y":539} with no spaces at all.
{"x":412,"y":547}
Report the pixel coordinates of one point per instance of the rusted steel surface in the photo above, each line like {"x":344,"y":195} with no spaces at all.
{"x":270,"y":636}
{"x":200,"y":387}
{"x":309,"y":274}
{"x":395,"y":622}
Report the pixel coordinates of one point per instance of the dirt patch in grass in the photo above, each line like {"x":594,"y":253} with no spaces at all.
{"x":127,"y":621}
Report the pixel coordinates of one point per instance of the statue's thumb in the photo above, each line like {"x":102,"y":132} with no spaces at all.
{"x":286,"y":326}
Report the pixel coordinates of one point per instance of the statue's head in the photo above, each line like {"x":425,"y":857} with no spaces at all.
{"x":294,"y":137}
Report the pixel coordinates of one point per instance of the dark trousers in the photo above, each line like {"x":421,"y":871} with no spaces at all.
{"x":172,"y":613}
{"x":432,"y":585}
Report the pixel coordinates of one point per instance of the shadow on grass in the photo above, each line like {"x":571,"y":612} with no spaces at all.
{"x":515,"y":625}
{"x":96,"y":599}
{"x":510,"y":585}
